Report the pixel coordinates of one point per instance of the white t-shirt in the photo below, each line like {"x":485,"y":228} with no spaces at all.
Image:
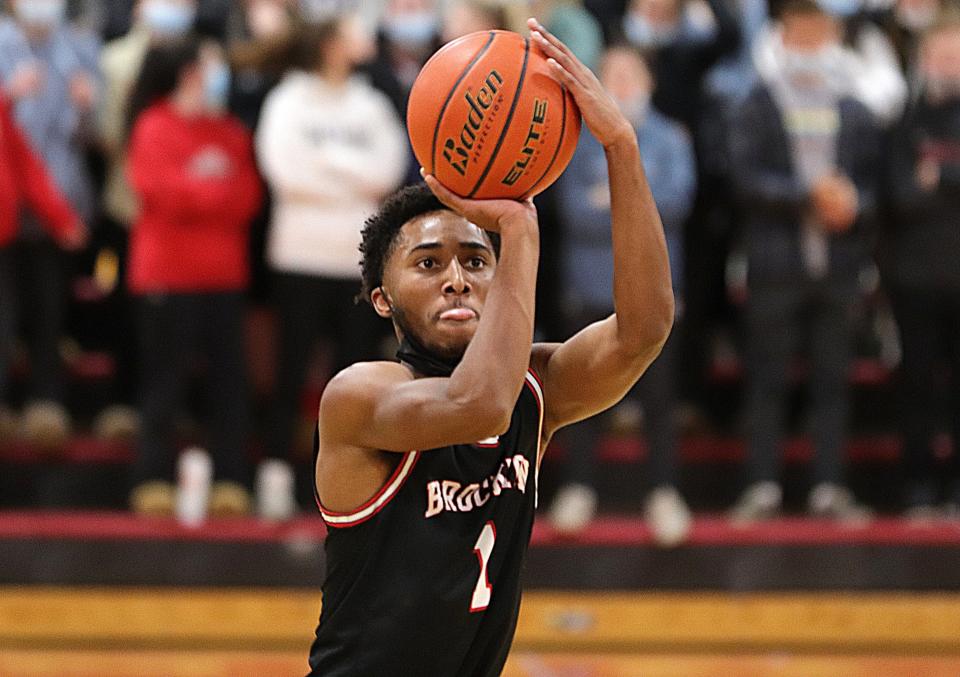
{"x":330,"y":155}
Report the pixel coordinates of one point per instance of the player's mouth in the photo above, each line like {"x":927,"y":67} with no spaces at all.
{"x":458,"y":314}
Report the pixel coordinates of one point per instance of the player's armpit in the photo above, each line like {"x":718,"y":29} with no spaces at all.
{"x":379,"y":405}
{"x":588,"y":373}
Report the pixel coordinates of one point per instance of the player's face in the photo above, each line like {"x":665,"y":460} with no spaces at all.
{"x":436,"y":280}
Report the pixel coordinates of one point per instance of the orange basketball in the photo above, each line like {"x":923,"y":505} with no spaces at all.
{"x":487,"y":118}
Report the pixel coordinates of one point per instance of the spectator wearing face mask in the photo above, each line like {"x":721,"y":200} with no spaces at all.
{"x":260,"y":33}
{"x":804,"y":165}
{"x":331,"y":147}
{"x":683,"y":42}
{"x":866,"y":54}
{"x":587,"y":270}
{"x":922,"y":270}
{"x":258,"y":29}
{"x":192,"y":168}
{"x":153,"y":21}
{"x":409,"y":33}
{"x":462,"y":17}
{"x":49,"y":71}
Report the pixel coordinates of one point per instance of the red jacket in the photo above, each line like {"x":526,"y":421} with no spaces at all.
{"x":198,"y":190}
{"x":24,"y":179}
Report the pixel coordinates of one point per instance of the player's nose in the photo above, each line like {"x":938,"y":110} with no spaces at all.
{"x":455,"y":280}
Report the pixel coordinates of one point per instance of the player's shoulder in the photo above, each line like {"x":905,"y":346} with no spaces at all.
{"x":365,"y":380}
{"x":350,"y":398}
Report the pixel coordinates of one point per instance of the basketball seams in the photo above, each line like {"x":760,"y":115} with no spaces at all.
{"x":443,"y":109}
{"x":506,"y":125}
{"x":556,"y":151}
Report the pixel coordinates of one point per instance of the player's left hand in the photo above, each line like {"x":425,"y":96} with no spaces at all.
{"x":600,"y":112}
{"x":490,"y":214}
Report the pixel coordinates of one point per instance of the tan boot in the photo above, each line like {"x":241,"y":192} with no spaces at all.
{"x":229,"y":499}
{"x":117,"y":422}
{"x":46,"y":425}
{"x":153,"y":499}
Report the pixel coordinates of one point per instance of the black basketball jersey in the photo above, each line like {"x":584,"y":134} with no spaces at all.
{"x":423,"y":580}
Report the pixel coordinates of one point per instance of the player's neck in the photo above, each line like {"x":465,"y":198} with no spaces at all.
{"x":423,"y":361}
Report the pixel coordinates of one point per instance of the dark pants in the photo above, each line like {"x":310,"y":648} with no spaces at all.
{"x":929,"y":322}
{"x":176,"y":329}
{"x":310,"y":308}
{"x":32,"y":278}
{"x":656,"y":392}
{"x":778,"y":319}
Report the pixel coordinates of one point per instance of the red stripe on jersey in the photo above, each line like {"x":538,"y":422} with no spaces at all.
{"x":336,"y":519}
{"x":535,"y":375}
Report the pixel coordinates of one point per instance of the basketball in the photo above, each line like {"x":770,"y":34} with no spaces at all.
{"x":488,"y":120}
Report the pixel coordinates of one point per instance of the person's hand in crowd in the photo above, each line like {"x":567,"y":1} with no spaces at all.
{"x":600,"y":111}
{"x":210,"y":163}
{"x":83,"y":91}
{"x":928,"y":174}
{"x":835,"y":202}
{"x":26,"y":81}
{"x":76,"y":239}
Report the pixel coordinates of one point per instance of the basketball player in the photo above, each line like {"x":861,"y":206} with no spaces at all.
{"x":427,"y":467}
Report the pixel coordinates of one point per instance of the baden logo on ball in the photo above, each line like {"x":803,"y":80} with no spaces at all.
{"x":487,"y":118}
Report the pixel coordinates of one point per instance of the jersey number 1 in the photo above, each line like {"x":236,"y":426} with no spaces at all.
{"x":483,"y":548}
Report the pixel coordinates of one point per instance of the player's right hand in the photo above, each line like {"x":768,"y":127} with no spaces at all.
{"x":600,"y":111}
{"x":493,"y":215}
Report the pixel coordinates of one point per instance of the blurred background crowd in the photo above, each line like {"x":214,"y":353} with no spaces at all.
{"x":183,"y":183}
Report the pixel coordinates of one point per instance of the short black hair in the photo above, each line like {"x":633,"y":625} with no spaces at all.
{"x":380,"y":231}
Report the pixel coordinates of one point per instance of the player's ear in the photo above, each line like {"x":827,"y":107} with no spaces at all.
{"x":381,"y":302}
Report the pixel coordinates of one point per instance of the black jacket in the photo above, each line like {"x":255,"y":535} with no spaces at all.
{"x":774,"y":201}
{"x":921,"y":244}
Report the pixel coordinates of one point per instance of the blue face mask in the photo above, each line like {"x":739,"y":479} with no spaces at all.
{"x":411,"y":30}
{"x":840,"y":8}
{"x":645,"y":35}
{"x":41,"y":13}
{"x":216,"y":86}
{"x":169,"y":19}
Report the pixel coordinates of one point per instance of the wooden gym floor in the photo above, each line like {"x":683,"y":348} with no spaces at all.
{"x":178,"y":632}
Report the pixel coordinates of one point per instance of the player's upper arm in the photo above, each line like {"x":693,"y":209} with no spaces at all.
{"x":379,"y":405}
{"x":588,"y":373}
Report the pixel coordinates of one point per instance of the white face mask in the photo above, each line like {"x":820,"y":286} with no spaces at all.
{"x":412,"y":29}
{"x":646,"y":35}
{"x":167,"y":18}
{"x":216,"y":85}
{"x":812,"y":69}
{"x":41,"y":13}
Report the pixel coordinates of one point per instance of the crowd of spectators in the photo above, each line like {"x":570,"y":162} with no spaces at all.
{"x":198,"y":159}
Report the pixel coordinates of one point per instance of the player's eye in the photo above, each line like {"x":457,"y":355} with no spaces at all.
{"x":477,"y":262}
{"x":427,"y":264}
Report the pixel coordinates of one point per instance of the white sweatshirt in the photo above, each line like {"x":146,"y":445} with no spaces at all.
{"x":330,"y":154}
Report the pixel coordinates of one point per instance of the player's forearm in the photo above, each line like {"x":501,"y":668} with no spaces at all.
{"x":642,"y":292}
{"x":497,"y":358}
